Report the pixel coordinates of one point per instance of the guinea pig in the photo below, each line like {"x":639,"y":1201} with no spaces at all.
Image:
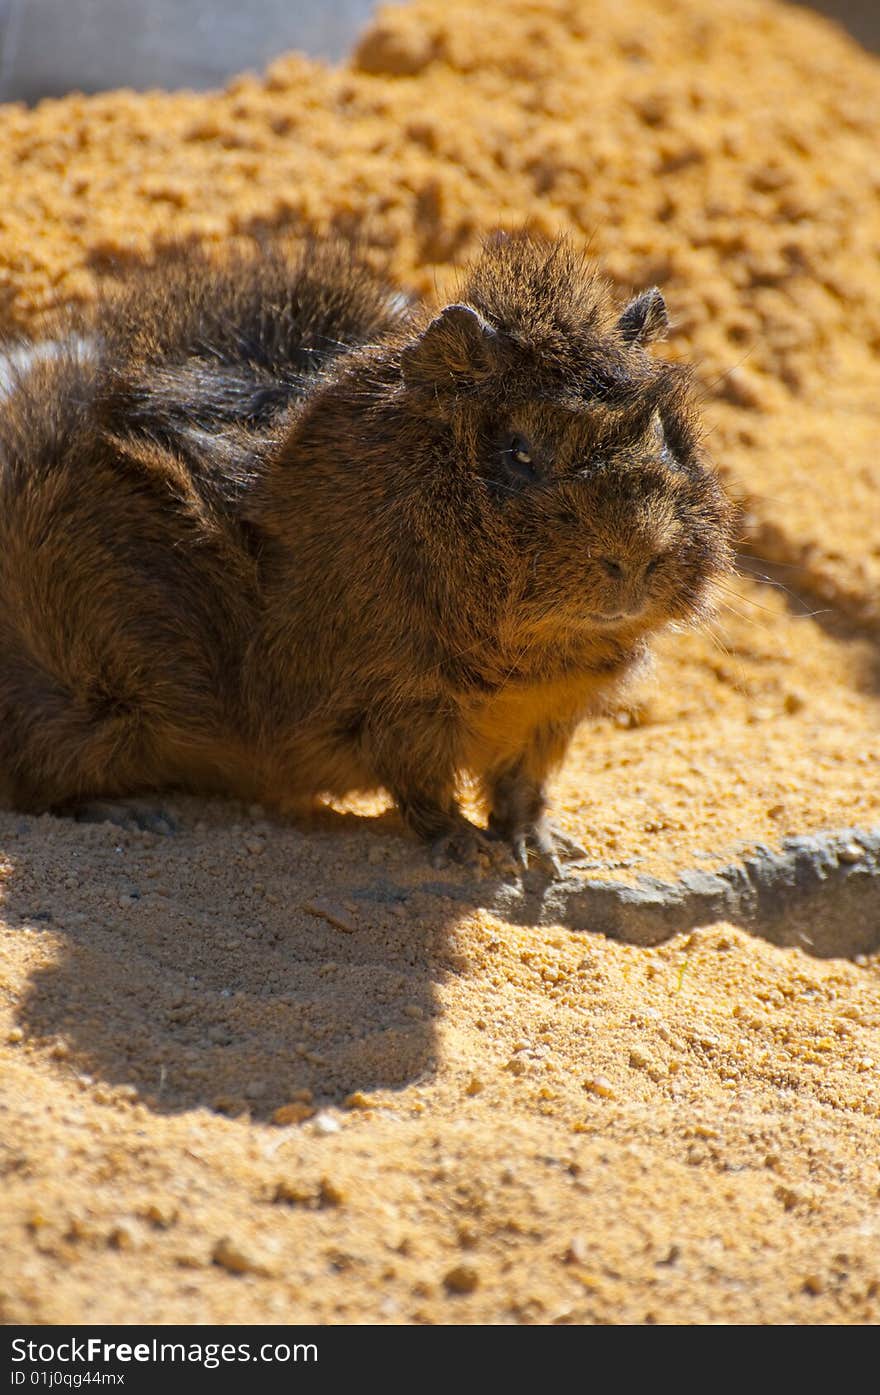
{"x":271,"y":530}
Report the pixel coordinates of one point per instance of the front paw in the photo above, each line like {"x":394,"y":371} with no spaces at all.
{"x":135,"y":815}
{"x":539,"y":844}
{"x":465,"y":845}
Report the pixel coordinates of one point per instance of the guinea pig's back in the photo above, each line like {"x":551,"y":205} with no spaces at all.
{"x":125,"y":596}
{"x":201,"y":345}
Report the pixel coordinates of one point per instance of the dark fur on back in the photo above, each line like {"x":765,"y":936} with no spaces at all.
{"x":264,"y":529}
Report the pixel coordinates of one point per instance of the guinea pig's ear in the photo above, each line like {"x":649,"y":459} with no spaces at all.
{"x":457,"y":348}
{"x":645,"y":318}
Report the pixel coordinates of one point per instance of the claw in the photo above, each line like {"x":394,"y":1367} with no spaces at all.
{"x":543,"y":845}
{"x":520,"y":846}
{"x":571,"y":850}
{"x":546,"y":859}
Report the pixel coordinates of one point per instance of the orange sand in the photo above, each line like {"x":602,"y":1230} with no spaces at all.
{"x":513,"y":1123}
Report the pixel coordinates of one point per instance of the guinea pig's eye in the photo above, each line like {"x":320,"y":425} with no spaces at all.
{"x":519,"y":458}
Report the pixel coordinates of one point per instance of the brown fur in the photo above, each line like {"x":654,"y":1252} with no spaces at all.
{"x":262,"y":530}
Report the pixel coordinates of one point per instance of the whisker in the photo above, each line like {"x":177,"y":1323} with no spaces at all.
{"x":746,"y":619}
{"x":709,"y":387}
{"x":747,"y":600}
{"x":750,"y":556}
{"x":778,"y":585}
{"x":793,"y":596}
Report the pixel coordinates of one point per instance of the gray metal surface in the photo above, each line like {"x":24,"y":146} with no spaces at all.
{"x":49,"y":47}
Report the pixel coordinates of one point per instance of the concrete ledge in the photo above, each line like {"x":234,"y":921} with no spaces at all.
{"x":820,"y":892}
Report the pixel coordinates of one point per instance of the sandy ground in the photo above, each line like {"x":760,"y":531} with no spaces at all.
{"x":251,"y":1072}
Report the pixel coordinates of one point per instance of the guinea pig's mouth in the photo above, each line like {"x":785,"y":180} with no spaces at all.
{"x":618,"y":617}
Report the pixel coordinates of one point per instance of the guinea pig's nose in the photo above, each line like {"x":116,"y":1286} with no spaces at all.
{"x":626,"y":571}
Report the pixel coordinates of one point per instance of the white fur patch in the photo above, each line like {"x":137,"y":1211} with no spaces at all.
{"x":17,"y":361}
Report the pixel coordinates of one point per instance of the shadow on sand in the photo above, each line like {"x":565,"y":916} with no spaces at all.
{"x":197,"y":975}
